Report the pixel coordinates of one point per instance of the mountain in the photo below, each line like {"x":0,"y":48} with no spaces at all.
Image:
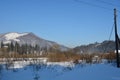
{"x":105,"y":46}
{"x":30,"y":39}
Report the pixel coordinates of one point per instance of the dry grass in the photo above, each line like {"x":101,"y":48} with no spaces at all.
{"x":58,"y":56}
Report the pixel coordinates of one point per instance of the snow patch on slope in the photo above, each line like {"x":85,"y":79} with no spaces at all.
{"x":13,"y":36}
{"x":6,"y":42}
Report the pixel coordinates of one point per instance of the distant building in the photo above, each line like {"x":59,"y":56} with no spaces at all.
{"x":96,"y":59}
{"x":118,"y":51}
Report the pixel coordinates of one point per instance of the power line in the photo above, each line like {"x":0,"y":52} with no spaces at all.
{"x":95,"y":5}
{"x":91,"y":4}
{"x":111,"y":32}
{"x":108,"y":3}
{"x":105,"y":49}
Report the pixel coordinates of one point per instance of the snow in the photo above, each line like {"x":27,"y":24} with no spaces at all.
{"x":98,"y":44}
{"x":78,"y":72}
{"x":17,"y":40}
{"x":64,"y":64}
{"x":14,"y":36}
{"x":19,"y":64}
{"x":6,"y":42}
{"x":22,"y":64}
{"x":93,"y":72}
{"x":31,"y":69}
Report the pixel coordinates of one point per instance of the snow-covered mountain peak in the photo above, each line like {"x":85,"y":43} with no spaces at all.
{"x":12,"y":36}
{"x":30,"y":39}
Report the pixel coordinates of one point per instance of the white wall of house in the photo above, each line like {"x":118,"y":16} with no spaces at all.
{"x":118,"y":51}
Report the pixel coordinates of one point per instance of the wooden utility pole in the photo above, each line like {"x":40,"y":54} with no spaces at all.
{"x":116,"y":39}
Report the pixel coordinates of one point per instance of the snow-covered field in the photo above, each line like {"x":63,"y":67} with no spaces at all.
{"x":54,"y":71}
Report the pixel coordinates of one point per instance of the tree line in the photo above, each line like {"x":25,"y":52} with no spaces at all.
{"x":15,"y":50}
{"x":21,"y":49}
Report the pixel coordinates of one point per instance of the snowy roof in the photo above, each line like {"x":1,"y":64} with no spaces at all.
{"x":118,"y":51}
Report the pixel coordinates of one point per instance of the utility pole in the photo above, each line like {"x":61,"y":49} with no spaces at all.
{"x":116,"y":39}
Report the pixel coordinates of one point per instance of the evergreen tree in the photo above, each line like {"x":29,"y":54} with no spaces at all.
{"x":17,"y":47}
{"x":32,"y":49}
{"x":25,"y":47}
{"x":23,"y":50}
{"x":12,"y":46}
{"x":36,"y":47}
{"x":2,"y":45}
{"x":8,"y":47}
{"x":29,"y":48}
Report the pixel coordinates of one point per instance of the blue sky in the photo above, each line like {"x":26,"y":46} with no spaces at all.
{"x":68,"y":22}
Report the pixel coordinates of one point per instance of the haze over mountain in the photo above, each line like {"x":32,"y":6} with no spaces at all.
{"x":104,"y":47}
{"x":30,"y":39}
